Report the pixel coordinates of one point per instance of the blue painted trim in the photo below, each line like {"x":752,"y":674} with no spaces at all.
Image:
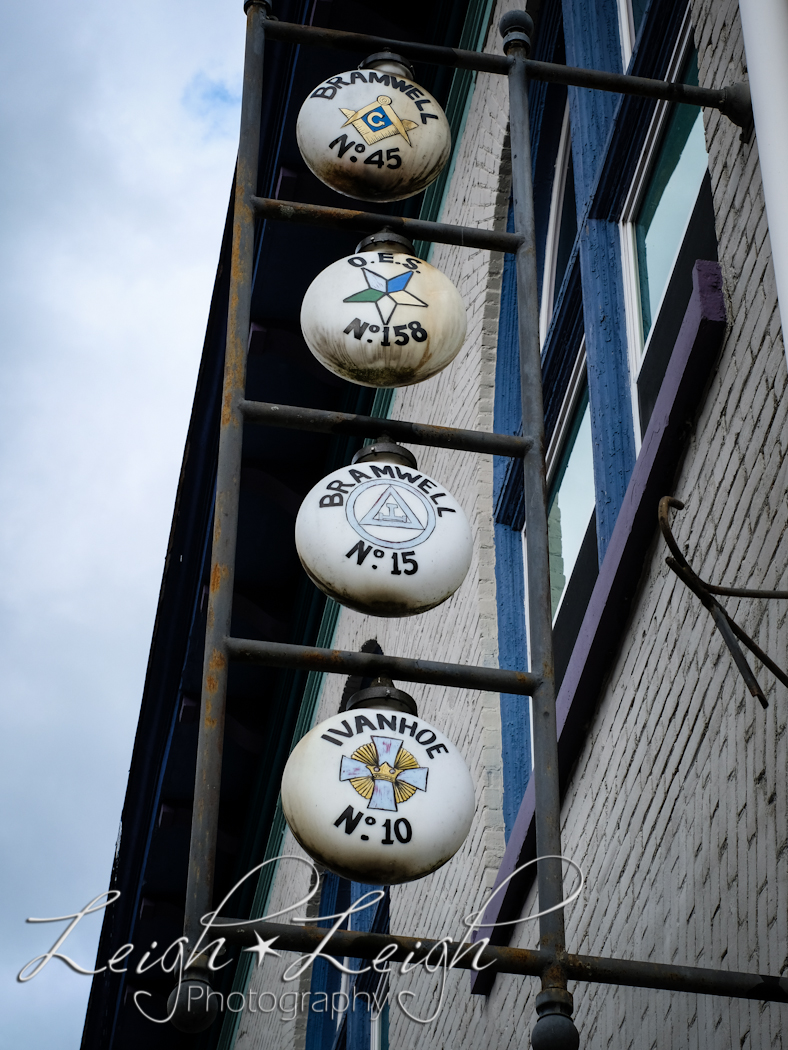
{"x":651,"y":58}
{"x":612,"y":426}
{"x":512,"y":652}
{"x":358,"y":1017}
{"x":353,"y":1033}
{"x":321,"y":1027}
{"x":509,"y":577}
{"x":592,"y":40}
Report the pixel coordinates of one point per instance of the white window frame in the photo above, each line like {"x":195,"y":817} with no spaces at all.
{"x":376,"y":1032}
{"x":574,"y":391}
{"x":637,"y":347}
{"x":554,"y":227}
{"x":626,"y":31}
{"x":575,"y":387}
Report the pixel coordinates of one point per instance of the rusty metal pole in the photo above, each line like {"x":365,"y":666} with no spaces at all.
{"x":554,"y":1029}
{"x":205,"y":815}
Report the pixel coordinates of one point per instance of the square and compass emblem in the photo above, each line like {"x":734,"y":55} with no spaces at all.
{"x":377,"y":121}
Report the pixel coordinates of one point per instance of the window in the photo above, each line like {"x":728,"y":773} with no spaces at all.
{"x":630,"y":19}
{"x":668,"y":223}
{"x":561,"y":229}
{"x":571,"y":517}
{"x":571,"y":502}
{"x":668,"y":201}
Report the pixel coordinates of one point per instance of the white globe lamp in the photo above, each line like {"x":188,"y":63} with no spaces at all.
{"x":382,"y":537}
{"x":383,"y":317}
{"x":373,"y":133}
{"x":377,"y":794}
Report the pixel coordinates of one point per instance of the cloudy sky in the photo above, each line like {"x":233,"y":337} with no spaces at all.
{"x":118,"y":128}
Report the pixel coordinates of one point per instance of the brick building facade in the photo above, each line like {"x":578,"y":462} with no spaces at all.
{"x":673,"y":807}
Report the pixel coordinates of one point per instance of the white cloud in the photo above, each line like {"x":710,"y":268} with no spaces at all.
{"x":118,"y":134}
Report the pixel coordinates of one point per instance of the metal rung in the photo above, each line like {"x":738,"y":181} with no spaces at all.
{"x":291,"y":417}
{"x":339,"y":661}
{"x":369,"y":222}
{"x":520,"y":961}
{"x":363,"y":43}
{"x":733,"y":101}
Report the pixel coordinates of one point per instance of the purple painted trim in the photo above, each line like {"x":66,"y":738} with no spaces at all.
{"x":603,"y":627}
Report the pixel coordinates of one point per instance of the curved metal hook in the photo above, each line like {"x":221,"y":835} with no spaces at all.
{"x":726,"y":625}
{"x":730,"y":592}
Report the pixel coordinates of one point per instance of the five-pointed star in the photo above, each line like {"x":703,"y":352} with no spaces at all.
{"x":386,"y":293}
{"x":263,"y":948}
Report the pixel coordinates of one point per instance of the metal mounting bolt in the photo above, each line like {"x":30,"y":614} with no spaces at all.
{"x":382,"y":58}
{"x":554,"y":1029}
{"x":383,"y":693}
{"x":737,"y":107}
{"x":385,"y":236}
{"x":384,"y":446}
{"x":516,"y":28}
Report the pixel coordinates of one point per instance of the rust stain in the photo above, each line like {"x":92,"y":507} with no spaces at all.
{"x":234,"y":378}
{"x":218,"y":661}
{"x":217,"y":519}
{"x":211,"y":683}
{"x":237,"y":336}
{"x":208,"y":721}
{"x":218,"y":573}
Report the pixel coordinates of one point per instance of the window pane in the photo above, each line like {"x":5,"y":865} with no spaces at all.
{"x":669,"y":199}
{"x":638,"y":10}
{"x":568,"y":228}
{"x":571,"y":503}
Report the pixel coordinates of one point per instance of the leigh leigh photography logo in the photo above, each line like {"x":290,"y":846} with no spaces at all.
{"x":443,"y":955}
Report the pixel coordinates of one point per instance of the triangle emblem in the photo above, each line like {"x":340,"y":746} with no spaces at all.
{"x":389,"y":510}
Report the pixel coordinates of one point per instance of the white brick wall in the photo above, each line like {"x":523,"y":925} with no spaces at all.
{"x":677,"y":808}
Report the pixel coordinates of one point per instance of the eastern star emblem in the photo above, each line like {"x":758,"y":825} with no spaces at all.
{"x":377,"y":121}
{"x":386,"y":294}
{"x":384,"y":772}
